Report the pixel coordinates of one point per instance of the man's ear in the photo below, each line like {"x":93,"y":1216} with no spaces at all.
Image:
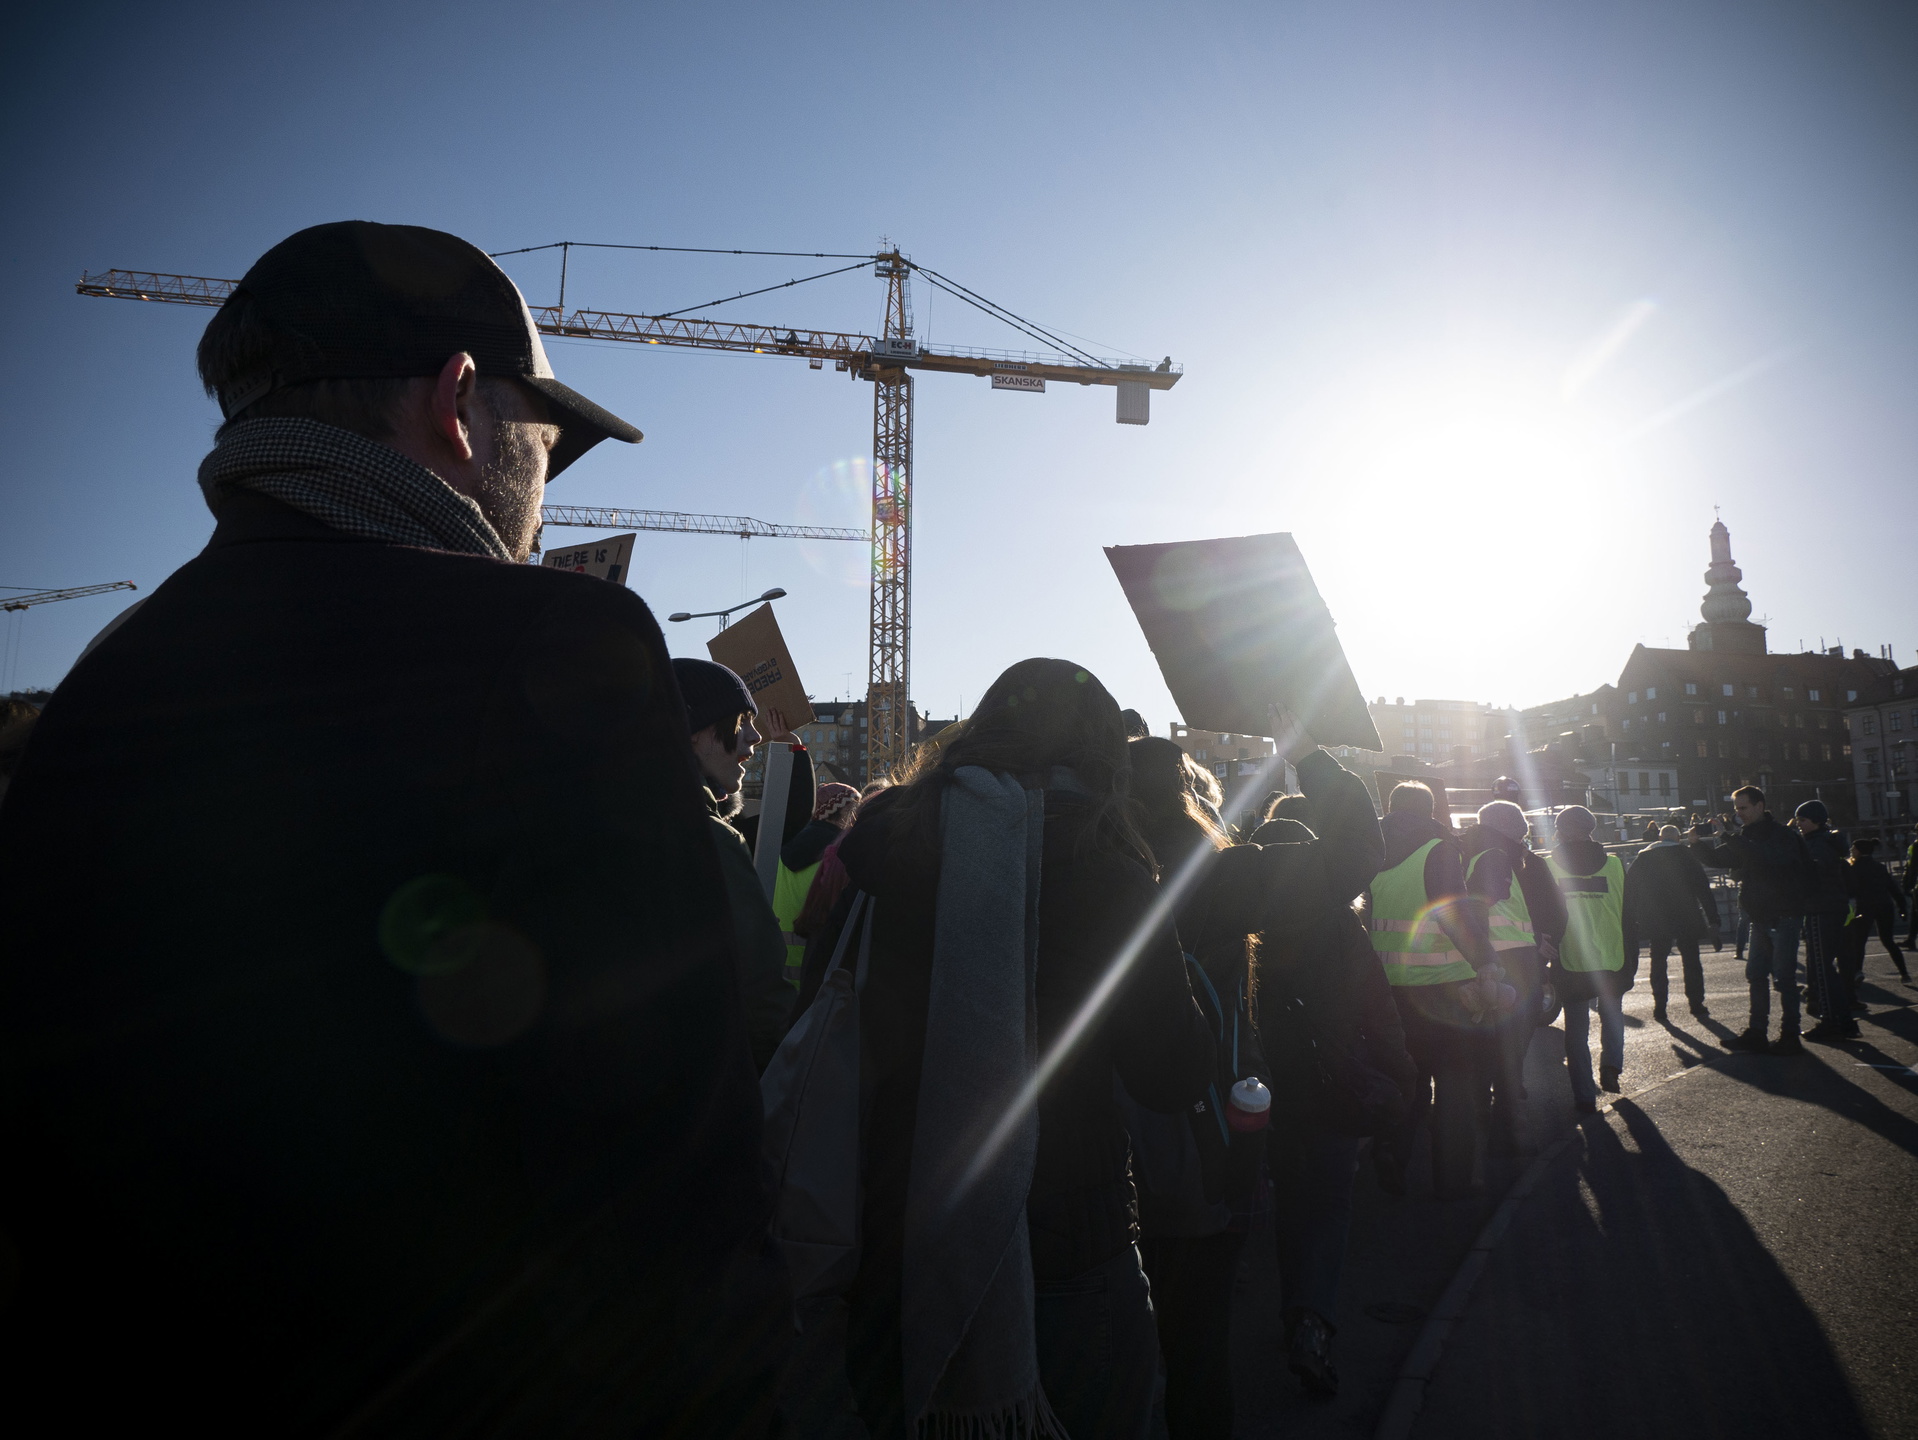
{"x":455,"y":400}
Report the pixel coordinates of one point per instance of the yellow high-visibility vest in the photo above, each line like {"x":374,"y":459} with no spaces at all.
{"x":1595,"y":936}
{"x":1510,"y":918}
{"x":790,"y":888}
{"x":1408,"y":940}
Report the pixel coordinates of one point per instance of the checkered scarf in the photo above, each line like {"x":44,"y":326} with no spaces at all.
{"x":348,"y":482}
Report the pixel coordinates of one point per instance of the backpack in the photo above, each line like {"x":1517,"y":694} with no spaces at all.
{"x":810,"y":1141}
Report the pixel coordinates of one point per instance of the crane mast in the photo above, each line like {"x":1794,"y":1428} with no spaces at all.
{"x":889,"y":659}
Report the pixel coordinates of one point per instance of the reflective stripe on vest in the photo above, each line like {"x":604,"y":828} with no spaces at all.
{"x":1510,"y":919}
{"x":1410,"y":945}
{"x":789,"y":898}
{"x":1595,"y":933}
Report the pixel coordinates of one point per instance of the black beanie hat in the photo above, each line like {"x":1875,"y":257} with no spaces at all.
{"x":712,"y":693}
{"x":1814,"y":811}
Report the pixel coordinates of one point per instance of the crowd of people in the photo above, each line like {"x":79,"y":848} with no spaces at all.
{"x":399,"y":1037}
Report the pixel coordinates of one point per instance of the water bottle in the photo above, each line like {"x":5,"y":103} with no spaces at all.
{"x":1251,"y":1106}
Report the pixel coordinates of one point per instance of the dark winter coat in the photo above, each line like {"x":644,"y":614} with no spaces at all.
{"x":1876,"y":892}
{"x":1669,"y":895}
{"x":1321,"y":989}
{"x":372,"y":1050}
{"x":1776,"y":877}
{"x":1830,"y":857}
{"x":1150,"y":1034}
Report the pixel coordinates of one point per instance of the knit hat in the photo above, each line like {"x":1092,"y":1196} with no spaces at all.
{"x":1812,"y":810}
{"x":1502,"y":817}
{"x":1575,"y":822}
{"x":712,"y":693}
{"x":835,"y":802}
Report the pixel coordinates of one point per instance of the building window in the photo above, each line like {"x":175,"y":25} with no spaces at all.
{"x":1632,"y":698}
{"x":1691,"y":687}
{"x":1724,"y":749}
{"x":1789,"y":693}
{"x":1872,"y":764}
{"x":1871,"y":724}
{"x":1895,"y":720}
{"x":1721,"y":717}
{"x":1651,"y":692}
{"x":1661,"y":717}
{"x":1850,"y":695}
{"x":1798,"y":722}
{"x":1824,"y":752}
{"x":1698,"y":717}
{"x":1595,"y":707}
{"x":1751,"y":692}
{"x":1626,"y":723}
{"x":1804,"y":751}
{"x":1624,"y":783}
{"x":1726,"y":691}
{"x":1704,"y":750}
{"x":1644,"y":783}
{"x":1812,"y":695}
{"x":1665,"y":782}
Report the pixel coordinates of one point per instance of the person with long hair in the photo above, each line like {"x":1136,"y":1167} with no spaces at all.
{"x":1017,"y":963}
{"x":1188,"y":1239}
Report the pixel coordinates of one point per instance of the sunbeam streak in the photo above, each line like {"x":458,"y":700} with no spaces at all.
{"x":1171,"y":892}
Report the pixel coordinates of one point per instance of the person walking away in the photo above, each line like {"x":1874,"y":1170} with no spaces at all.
{"x":1669,"y":897}
{"x":799,"y":861}
{"x":1332,"y":1037}
{"x":1910,"y":883}
{"x":1591,"y":965}
{"x":1877,"y":902}
{"x":1526,"y":919}
{"x":1775,"y":880}
{"x":1831,"y":997}
{"x":1188,"y":1241}
{"x":371,"y":1046}
{"x":1039,"y":1319}
{"x":1444,"y":974}
{"x":720,"y":713}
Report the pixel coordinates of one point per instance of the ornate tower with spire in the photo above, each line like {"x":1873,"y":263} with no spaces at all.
{"x":1728,"y":626}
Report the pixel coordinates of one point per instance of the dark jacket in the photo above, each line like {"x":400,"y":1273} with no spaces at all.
{"x":1506,"y":862}
{"x":1830,"y":858}
{"x":1586,"y":858}
{"x":1876,"y":892}
{"x":370,"y":1048}
{"x":1321,"y":989}
{"x":1669,"y":894}
{"x":1151,"y":1035}
{"x":759,"y":949}
{"x":1776,"y":877}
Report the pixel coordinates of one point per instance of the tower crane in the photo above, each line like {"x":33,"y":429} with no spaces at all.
{"x":886,"y":359}
{"x":30,"y":598}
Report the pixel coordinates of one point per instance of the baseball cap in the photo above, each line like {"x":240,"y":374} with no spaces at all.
{"x":367,"y":301}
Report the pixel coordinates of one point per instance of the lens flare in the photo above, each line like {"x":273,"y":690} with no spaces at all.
{"x":838,"y":494}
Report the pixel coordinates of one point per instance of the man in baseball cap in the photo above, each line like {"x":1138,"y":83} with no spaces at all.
{"x":409,"y":337}
{"x":374,"y":1048}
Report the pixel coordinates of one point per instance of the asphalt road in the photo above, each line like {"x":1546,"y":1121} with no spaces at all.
{"x":1731,"y":1252}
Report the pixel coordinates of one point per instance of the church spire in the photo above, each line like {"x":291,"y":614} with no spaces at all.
{"x":1727,"y":609}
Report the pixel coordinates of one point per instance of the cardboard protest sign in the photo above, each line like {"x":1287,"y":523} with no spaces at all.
{"x":1237,"y":626}
{"x":754,"y":649}
{"x":609,"y":559}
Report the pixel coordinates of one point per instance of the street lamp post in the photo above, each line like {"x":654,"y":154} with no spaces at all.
{"x":773,"y":594}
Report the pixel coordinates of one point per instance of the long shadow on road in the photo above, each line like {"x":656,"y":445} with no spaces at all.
{"x":1631,"y":1298}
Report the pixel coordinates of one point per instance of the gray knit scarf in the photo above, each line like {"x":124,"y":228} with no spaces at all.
{"x":971,"y":1351}
{"x":349,"y":483}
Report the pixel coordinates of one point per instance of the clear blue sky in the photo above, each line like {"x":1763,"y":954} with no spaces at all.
{"x":1489,"y":304}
